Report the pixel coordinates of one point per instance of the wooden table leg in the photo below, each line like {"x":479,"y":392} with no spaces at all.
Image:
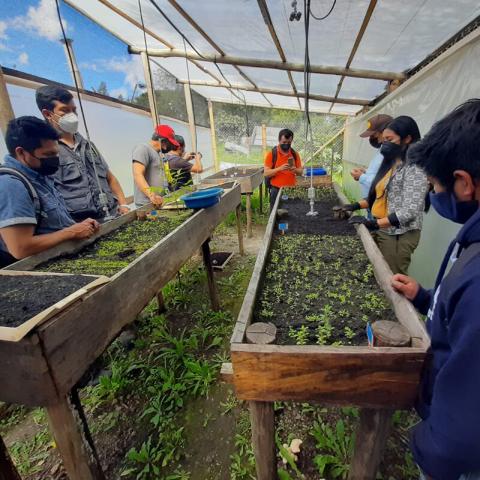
{"x":79,"y":460}
{"x":260,"y":188}
{"x":263,"y":439}
{"x":371,"y":439}
{"x":7,"y":468}
{"x":238,"y":215}
{"x":212,"y":287}
{"x":249,"y":215}
{"x":161,"y":303}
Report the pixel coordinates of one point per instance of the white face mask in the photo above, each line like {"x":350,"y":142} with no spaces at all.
{"x":69,"y":123}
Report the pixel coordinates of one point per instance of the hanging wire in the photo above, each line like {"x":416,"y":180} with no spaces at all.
{"x":102,"y":195}
{"x":325,"y":16}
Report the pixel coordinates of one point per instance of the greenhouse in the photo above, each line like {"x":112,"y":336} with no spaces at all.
{"x":251,"y":251}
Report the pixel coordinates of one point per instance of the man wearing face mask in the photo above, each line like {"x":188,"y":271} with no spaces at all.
{"x":375,"y":127}
{"x":83,"y":175}
{"x":446,"y":443}
{"x":33,"y":214}
{"x":282,"y":165}
{"x":148,"y":169}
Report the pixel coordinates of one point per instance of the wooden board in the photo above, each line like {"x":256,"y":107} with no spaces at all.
{"x":318,"y":181}
{"x":361,"y":376}
{"x":15,"y":334}
{"x":73,"y":339}
{"x":249,"y":181}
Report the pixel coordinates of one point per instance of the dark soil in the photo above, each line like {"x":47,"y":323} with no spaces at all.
{"x":23,"y":297}
{"x":113,"y":252}
{"x":318,"y":284}
{"x":235,"y":171}
{"x":219,"y":259}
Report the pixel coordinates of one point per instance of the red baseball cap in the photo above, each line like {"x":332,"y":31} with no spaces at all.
{"x":166,"y":131}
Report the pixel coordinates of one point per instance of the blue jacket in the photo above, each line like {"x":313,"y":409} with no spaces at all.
{"x":446,"y":444}
{"x":366,"y":179}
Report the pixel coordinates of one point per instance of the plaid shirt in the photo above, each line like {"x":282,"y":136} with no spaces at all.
{"x":406,"y":193}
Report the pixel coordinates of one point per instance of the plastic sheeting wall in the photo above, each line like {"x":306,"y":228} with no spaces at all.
{"x":115,"y":131}
{"x":427,"y":97}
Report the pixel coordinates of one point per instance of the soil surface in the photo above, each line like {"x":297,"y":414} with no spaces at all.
{"x":235,"y":171}
{"x":24,"y":296}
{"x":113,"y":252}
{"x":318,"y":285}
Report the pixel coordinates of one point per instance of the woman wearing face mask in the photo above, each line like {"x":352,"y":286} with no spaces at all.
{"x":396,"y":197}
{"x":446,"y":443}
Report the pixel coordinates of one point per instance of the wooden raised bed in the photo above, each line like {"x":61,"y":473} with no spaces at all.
{"x":249,"y":178}
{"x":378,"y":379}
{"x":318,"y":181}
{"x":43,"y":368}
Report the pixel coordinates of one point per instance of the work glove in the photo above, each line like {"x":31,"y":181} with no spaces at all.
{"x":350,"y":207}
{"x":370,"y":224}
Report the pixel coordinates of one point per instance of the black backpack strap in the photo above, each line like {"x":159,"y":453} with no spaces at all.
{"x":274,"y":156}
{"x":30,"y":189}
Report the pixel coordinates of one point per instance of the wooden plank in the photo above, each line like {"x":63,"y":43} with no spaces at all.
{"x":249,"y":215}
{"x":249,"y":177}
{"x":372,"y":433}
{"x":246,"y":311}
{"x":362,"y":376}
{"x":212,"y":287}
{"x":213,"y":136}
{"x":76,"y":337}
{"x":78,"y":459}
{"x":318,"y":181}
{"x":262,"y":418}
{"x":6,"y":109}
{"x":71,"y":246}
{"x":24,"y":373}
{"x":7,"y":468}
{"x":404,"y":310}
{"x":226,"y":373}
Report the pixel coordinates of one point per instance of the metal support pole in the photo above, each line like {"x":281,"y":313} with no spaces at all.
{"x":213,"y":136}
{"x":150,"y":89}
{"x":6,"y":109}
{"x":72,"y":62}
{"x":191,"y":117}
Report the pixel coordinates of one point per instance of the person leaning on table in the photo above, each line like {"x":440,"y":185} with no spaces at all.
{"x":396,"y":197}
{"x":33,"y":214}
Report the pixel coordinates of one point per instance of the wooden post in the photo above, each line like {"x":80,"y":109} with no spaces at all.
{"x":264,"y":140}
{"x":263,"y":439}
{"x":79,"y":459}
{"x":249,"y":215}
{"x":150,"y":89}
{"x":212,"y":288}
{"x":6,"y":109}
{"x":161,"y":303}
{"x":191,"y":117}
{"x":374,"y":425}
{"x":213,"y":136}
{"x":72,"y":62}
{"x":238,"y":215}
{"x":7,"y":468}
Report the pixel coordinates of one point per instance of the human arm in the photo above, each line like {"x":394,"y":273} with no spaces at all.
{"x":22,"y":242}
{"x":413,"y":291}
{"x":356,"y":173}
{"x":445,"y":444}
{"x":142,"y":184}
{"x":197,"y":166}
{"x":117,"y":192}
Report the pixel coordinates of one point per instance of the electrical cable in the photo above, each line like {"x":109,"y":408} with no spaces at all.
{"x":325,"y":16}
{"x":102,"y":197}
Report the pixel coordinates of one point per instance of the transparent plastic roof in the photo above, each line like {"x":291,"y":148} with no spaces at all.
{"x":397,"y":38}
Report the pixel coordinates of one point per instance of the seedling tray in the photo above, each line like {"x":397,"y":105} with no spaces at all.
{"x":30,"y":298}
{"x":249,"y":178}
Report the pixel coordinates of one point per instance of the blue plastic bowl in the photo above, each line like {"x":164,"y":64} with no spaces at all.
{"x":203,"y":198}
{"x":316,"y":171}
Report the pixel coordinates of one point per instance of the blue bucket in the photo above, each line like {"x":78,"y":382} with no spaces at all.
{"x":315,"y":171}
{"x":203,"y":198}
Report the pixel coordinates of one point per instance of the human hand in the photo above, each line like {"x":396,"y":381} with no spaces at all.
{"x":405,"y":285}
{"x":189,"y":156}
{"x":157,"y":200}
{"x":370,"y":224}
{"x":350,"y":207}
{"x":356,"y":173}
{"x":123,"y":209}
{"x":82,"y":230}
{"x":283,"y":167}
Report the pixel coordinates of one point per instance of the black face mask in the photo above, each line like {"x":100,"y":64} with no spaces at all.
{"x":374,"y":142}
{"x":285,"y":147}
{"x":391,"y":150}
{"x":168,"y":148}
{"x":48,"y":165}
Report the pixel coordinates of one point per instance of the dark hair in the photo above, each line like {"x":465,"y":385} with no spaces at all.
{"x":403,"y":126}
{"x":285,"y":132}
{"x":28,"y":133}
{"x":180,"y":140}
{"x":453,"y":143}
{"x":46,"y":96}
